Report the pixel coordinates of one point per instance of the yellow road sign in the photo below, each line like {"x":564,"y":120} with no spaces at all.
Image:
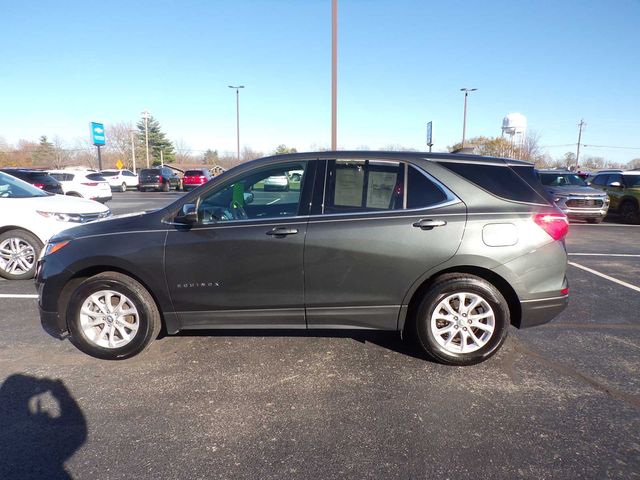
{"x":119,"y":164}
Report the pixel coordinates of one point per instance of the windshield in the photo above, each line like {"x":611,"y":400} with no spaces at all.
{"x":11,"y":187}
{"x":561,"y":179}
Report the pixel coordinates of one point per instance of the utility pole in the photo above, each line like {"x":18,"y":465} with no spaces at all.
{"x":237,"y":117}
{"x":145,"y":115}
{"x":464,"y":118}
{"x":334,"y":75}
{"x":133,"y":151}
{"x":162,"y":158}
{"x":581,"y":126}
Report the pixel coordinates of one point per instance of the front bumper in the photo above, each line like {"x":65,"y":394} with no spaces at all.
{"x":583,"y":211}
{"x":53,"y":324}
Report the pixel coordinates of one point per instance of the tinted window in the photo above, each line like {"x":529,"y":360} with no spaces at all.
{"x":149,"y":171}
{"x":363,"y":186}
{"x":109,"y":174}
{"x":127,"y":173}
{"x":600,"y":180}
{"x":632,"y":180}
{"x":422,"y":192}
{"x":96,"y":176}
{"x":263,"y":194}
{"x":194,"y":173}
{"x":501,"y":181}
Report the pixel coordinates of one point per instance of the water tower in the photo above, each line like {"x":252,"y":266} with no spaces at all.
{"x":515,"y":125}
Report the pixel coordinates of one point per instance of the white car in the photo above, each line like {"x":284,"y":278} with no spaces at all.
{"x":83,"y":183}
{"x":29,"y":217}
{"x":120,"y":180}
{"x":277,"y":182}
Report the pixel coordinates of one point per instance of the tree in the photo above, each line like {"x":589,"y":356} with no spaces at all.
{"x":118,"y":145}
{"x":157,"y":141}
{"x":44,"y":155}
{"x":210,"y":157}
{"x":183,"y":152}
{"x":282,"y":149}
{"x":528,"y":149}
{"x":633,"y":164}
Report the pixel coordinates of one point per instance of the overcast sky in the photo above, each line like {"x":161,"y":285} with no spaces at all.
{"x":401,"y":64}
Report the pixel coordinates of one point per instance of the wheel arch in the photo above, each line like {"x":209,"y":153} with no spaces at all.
{"x":168,"y":319}
{"x":507,"y":291}
{"x":8,"y":228}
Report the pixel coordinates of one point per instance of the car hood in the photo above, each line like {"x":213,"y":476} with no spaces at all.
{"x":63,"y":204}
{"x":575,"y":190}
{"x":121,"y":224}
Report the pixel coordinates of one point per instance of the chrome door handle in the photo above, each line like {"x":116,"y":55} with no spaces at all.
{"x":428,"y":224}
{"x":282,"y":231}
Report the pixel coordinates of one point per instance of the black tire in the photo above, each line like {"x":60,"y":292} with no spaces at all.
{"x":629,"y":212}
{"x":123,"y":187}
{"x":29,"y":247}
{"x":166,"y":187}
{"x":180,"y":186}
{"x":595,"y":220}
{"x":450,"y":284}
{"x":149,"y":321}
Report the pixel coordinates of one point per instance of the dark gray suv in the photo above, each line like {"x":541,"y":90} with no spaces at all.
{"x":451,"y":249}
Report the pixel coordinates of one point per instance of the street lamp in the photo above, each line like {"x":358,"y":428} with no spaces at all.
{"x":237,"y":116}
{"x":464,"y":121}
{"x":146,"y":116}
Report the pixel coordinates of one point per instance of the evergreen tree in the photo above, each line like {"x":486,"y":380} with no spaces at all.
{"x":44,"y":154}
{"x":210,"y":157}
{"x":157,"y":142}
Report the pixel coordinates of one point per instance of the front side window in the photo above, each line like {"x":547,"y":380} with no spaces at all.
{"x":600,"y":180}
{"x":267,"y":193}
{"x":371,"y":185}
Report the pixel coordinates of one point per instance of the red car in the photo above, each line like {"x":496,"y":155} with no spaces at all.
{"x":195,"y":178}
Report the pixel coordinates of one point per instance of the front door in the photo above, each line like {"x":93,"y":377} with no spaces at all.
{"x":240,"y":264}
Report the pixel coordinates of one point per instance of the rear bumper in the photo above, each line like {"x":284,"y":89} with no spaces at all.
{"x":537,"y":312}
{"x":150,"y":185}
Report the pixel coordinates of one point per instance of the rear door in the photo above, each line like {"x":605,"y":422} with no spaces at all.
{"x":378,"y":227}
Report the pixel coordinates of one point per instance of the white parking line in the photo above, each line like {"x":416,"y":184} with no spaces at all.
{"x":633,"y":255}
{"x":606,"y":277}
{"x":17,"y":295}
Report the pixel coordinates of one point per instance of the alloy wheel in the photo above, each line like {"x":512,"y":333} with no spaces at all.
{"x":17,"y":256}
{"x":109,"y":319}
{"x":462,"y":322}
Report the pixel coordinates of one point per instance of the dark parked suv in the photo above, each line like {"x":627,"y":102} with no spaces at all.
{"x":161,"y":178}
{"x":449,"y":248}
{"x":37,"y":178}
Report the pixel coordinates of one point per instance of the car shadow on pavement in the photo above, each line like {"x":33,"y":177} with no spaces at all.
{"x":41,"y":427}
{"x":389,"y":340}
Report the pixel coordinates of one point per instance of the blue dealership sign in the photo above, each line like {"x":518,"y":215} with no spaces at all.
{"x":97,"y":134}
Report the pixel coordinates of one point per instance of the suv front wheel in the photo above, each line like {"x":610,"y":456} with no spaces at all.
{"x":462,"y":320}
{"x":112,"y":316}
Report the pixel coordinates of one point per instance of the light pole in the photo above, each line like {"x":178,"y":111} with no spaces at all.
{"x":146,"y":116}
{"x":464,"y":120}
{"x":133,"y":151}
{"x":334,"y":75}
{"x":237,"y":116}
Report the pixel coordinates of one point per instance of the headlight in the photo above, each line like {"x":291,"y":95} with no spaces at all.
{"x":558,"y":198}
{"x":62,"y":217}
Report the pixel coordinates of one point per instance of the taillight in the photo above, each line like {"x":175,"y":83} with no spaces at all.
{"x":90,"y":184}
{"x":555,"y":224}
{"x":202,"y":178}
{"x":564,"y":291}
{"x":39,"y":185}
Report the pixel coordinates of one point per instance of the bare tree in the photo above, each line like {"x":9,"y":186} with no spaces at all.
{"x":183,"y":152}
{"x":118,"y":146}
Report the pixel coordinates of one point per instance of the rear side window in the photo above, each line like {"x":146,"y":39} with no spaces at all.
{"x":369,"y":185}
{"x":502,"y":182}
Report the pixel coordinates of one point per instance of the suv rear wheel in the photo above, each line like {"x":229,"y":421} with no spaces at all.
{"x":112,"y":316}
{"x":462,"y":320}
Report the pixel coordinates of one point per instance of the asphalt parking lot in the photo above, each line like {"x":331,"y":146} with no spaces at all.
{"x":558,"y":401}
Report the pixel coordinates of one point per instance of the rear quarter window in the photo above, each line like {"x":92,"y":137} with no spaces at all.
{"x":502,"y":181}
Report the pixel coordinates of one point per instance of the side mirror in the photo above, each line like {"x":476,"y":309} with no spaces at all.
{"x":614,"y":184}
{"x":188,"y":214}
